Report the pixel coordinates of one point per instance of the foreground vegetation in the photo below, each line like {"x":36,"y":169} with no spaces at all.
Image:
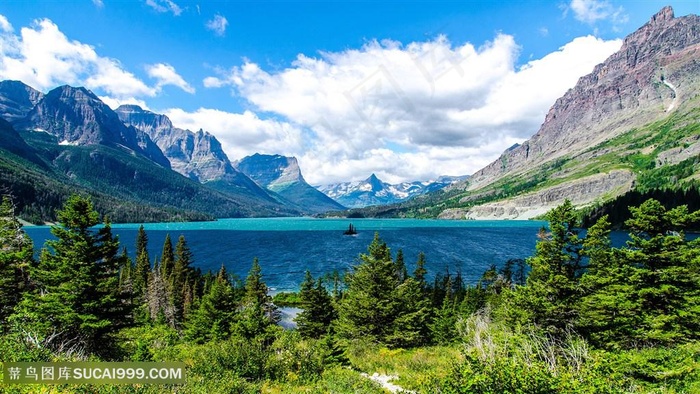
{"x":579,"y":316}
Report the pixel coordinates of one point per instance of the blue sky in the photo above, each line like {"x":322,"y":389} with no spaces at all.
{"x":407,"y":90}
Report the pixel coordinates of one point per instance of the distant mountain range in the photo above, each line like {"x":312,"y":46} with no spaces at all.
{"x":135,"y":163}
{"x":372,"y":191}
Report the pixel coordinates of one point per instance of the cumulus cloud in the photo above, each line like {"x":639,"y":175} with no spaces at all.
{"x":413,"y":111}
{"x":114,"y":103}
{"x":218,"y":25}
{"x":43,"y":57}
{"x":243,"y":134}
{"x":592,"y":11}
{"x":164,"y":6}
{"x":5,"y":25}
{"x":165,"y":74}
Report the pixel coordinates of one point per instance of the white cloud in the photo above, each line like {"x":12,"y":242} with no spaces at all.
{"x":5,"y":25}
{"x":164,"y":6}
{"x":43,"y":57}
{"x":413,"y":111}
{"x":243,"y":134}
{"x":165,"y":74}
{"x":114,"y":103}
{"x":592,"y":11}
{"x":98,"y":3}
{"x":218,"y":25}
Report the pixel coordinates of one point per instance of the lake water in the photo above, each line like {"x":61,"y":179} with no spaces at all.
{"x":287,"y":247}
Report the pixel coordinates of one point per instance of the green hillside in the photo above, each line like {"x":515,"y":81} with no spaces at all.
{"x":648,"y":152}
{"x":124,"y":186}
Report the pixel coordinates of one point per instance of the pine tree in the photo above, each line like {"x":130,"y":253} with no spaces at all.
{"x":443,"y":328}
{"x":77,"y":279}
{"x":648,"y":292}
{"x":181,"y":277}
{"x":666,"y":279}
{"x":258,"y":312}
{"x":420,"y":272}
{"x":167,"y":258}
{"x":16,"y":254}
{"x":411,"y":325}
{"x":317,"y":308}
{"x":368,"y":308}
{"x":401,"y":271}
{"x":214,"y":316}
{"x":551,"y":292}
{"x":609,"y":308}
{"x":143,"y":264}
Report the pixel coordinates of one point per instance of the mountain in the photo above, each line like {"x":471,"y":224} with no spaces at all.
{"x":17,"y":99}
{"x":372,"y":191}
{"x":77,"y":117}
{"x":71,"y":142}
{"x":631,"y":125}
{"x":196,"y":155}
{"x":282,"y":175}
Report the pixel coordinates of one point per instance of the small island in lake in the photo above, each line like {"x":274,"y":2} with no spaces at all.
{"x":351,"y":230}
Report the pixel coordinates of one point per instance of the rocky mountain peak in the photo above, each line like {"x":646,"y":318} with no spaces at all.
{"x":374,"y":183}
{"x":271,"y":171}
{"x":653,"y":73}
{"x":665,"y":15}
{"x":17,"y":99}
{"x":149,"y":122}
{"x":76,"y":116}
{"x":282,"y":175}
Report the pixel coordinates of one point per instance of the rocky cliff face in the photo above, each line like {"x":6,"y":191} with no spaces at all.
{"x":198,"y":156}
{"x":527,"y":206}
{"x":282,"y":175}
{"x":17,"y":99}
{"x":653,"y":73}
{"x":75,"y":116}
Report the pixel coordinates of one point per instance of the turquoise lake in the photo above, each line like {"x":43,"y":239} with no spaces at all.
{"x":287,"y":247}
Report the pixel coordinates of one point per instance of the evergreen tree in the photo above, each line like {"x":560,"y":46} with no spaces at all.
{"x":401,"y":271}
{"x":181,"y":277}
{"x":317,"y":308}
{"x":143,"y":264}
{"x":213,"y":318}
{"x":368,"y":309}
{"x":258,"y":312}
{"x":443,"y":328}
{"x":420,"y":272}
{"x":665,"y":277}
{"x":648,"y":292}
{"x":77,"y":288}
{"x":16,"y":254}
{"x":609,"y":307}
{"x":167,"y":258}
{"x":413,"y":315}
{"x":551,"y":291}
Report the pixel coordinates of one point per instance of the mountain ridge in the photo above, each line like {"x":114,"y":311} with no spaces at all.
{"x":372,"y":191}
{"x":282,"y":175}
{"x":652,"y":78}
{"x":71,"y":142}
{"x":196,"y":155}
